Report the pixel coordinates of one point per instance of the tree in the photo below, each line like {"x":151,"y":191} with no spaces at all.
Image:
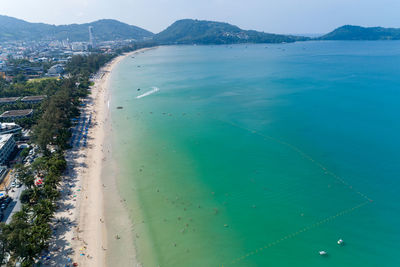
{"x":3,"y":244}
{"x":26,"y":196}
{"x":25,"y":175}
{"x":25,"y":152}
{"x":29,"y":231}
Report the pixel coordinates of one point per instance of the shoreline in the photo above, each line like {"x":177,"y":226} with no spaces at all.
{"x":80,"y":223}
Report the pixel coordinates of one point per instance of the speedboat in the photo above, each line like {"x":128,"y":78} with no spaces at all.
{"x":323,"y":253}
{"x":340,"y":242}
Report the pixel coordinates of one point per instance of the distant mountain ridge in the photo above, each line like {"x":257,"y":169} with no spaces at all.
{"x":350,"y":32}
{"x":189,"y":31}
{"x":12,"y":29}
{"x":186,"y":31}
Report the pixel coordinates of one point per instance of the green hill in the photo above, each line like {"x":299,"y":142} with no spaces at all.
{"x":189,"y":31}
{"x":186,"y":31}
{"x":12,"y":29}
{"x":349,"y":32}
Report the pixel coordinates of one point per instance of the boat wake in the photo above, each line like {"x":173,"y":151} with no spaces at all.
{"x":155,"y":89}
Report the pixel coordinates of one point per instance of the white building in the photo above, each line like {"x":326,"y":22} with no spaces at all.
{"x":55,"y":70}
{"x":91,"y":37}
{"x":79,"y":46}
{"x":9,"y":127}
{"x":7,"y":146}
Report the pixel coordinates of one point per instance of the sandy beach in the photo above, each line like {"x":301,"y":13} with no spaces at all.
{"x":79,"y":225}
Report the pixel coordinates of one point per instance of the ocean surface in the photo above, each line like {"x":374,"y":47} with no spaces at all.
{"x":261,"y":155}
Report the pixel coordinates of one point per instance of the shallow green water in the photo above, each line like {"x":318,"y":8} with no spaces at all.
{"x":261,"y":155}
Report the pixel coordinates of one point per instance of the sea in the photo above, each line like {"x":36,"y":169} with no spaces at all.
{"x":260,"y":155}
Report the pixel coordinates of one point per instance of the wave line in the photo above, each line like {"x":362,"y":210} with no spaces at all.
{"x":155,"y":89}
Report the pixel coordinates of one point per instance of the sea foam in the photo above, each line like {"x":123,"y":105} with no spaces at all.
{"x":155,"y":89}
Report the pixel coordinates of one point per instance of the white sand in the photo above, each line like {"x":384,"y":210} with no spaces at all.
{"x":80,"y":234}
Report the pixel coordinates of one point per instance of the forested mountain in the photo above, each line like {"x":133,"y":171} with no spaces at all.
{"x":190,"y":31}
{"x":12,"y":29}
{"x":349,"y":32}
{"x":186,"y":31}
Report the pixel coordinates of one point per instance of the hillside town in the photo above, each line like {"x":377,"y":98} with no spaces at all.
{"x":38,"y":59}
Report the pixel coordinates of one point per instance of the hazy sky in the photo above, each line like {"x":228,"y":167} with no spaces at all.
{"x":279,"y":16}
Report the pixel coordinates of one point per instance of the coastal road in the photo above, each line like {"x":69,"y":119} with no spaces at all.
{"x":15,"y":205}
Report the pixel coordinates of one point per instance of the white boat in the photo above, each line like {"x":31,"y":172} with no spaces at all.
{"x":340,"y":242}
{"x":323,"y":253}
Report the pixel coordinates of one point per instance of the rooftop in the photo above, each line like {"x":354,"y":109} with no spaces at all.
{"x":4,"y":138}
{"x":16,"y":113}
{"x":8,"y":125}
{"x":33,"y":98}
{"x":8,"y":99}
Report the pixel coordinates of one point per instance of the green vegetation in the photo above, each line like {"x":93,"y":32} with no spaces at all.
{"x":29,"y":232}
{"x":23,"y":88}
{"x":25,"y":152}
{"x":136,"y":46}
{"x":41,"y":79}
{"x":12,"y":29}
{"x":83,"y":66}
{"x":209,"y":32}
{"x":22,"y":66}
{"x":349,"y":32}
{"x":185,"y":31}
{"x":60,"y":92}
{"x":47,"y":87}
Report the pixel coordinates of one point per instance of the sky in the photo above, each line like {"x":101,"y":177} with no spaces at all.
{"x":275,"y":16}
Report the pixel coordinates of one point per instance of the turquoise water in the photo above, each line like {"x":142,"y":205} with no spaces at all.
{"x":261,"y":155}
